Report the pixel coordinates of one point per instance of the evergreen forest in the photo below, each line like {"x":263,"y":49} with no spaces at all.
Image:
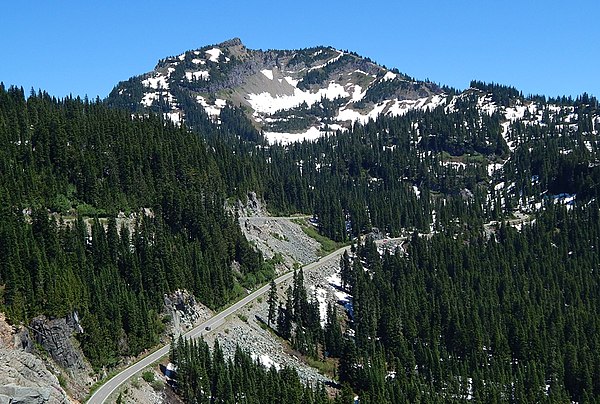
{"x":494,"y":295}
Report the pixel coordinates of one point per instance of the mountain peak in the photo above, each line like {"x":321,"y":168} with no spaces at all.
{"x":288,"y":94}
{"x":231,"y":42}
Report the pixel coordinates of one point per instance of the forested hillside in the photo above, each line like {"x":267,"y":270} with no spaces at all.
{"x":494,"y":297}
{"x":513,"y":317}
{"x":63,"y":161}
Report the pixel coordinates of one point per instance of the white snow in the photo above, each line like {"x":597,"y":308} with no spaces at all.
{"x":505,"y":133}
{"x":268,"y":73}
{"x":201,"y":74}
{"x":312,"y":133}
{"x":174,"y":116}
{"x":290,"y":80}
{"x":416,"y":191}
{"x":211,"y":110}
{"x":389,"y":76}
{"x":198,"y":61}
{"x":564,"y":199}
{"x":266,"y":361}
{"x":148,"y":99}
{"x":343,"y":296}
{"x":333,"y":59}
{"x":267,"y":103}
{"x":347,"y":114}
{"x":157,"y":82}
{"x":321,"y":295}
{"x":365,"y":73}
{"x":454,"y":164}
{"x":357,"y":94}
{"x":493,"y":167}
{"x":335,"y":280}
{"x":486,"y":105}
{"x":213,"y":54}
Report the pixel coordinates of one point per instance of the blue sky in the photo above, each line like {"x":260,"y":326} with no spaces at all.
{"x":80,"y":47}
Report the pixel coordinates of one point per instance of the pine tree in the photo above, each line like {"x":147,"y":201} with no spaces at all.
{"x":273,"y":302}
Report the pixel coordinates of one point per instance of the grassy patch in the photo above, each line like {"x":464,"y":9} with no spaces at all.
{"x":62,"y":380}
{"x":148,"y":376}
{"x":327,"y":244}
{"x":158,"y":385}
{"x":326,"y":367}
{"x":280,"y":237}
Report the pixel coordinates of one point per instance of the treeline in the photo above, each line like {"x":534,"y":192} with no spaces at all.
{"x":63,"y":160}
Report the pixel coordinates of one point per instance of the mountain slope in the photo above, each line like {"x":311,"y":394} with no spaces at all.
{"x":289,"y":94}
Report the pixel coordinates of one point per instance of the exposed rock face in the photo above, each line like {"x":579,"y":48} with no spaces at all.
{"x":24,"y":377}
{"x":185,"y":311}
{"x":55,"y":337}
{"x":252,"y":207}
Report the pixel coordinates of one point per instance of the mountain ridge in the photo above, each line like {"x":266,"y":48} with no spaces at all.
{"x":288,"y":94}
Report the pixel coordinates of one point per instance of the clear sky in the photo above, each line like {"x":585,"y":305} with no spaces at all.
{"x":86,"y":47}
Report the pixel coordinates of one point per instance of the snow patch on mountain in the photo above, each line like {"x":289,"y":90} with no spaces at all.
{"x":389,"y":76}
{"x":149,"y":98}
{"x":175,"y":117}
{"x":268,"y":73}
{"x":388,"y":108}
{"x":321,"y":295}
{"x":311,"y":134}
{"x":213,"y":110}
{"x":157,"y":82}
{"x":291,"y":81}
{"x":266,"y":361}
{"x":197,"y":75}
{"x":334,"y":59}
{"x":357,"y":94}
{"x":213,"y":54}
{"x":266,"y":103}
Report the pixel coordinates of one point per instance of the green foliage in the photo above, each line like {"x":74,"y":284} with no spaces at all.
{"x":512,"y":310}
{"x":148,"y":376}
{"x":273,"y":302}
{"x":62,"y":381}
{"x":204,"y":376}
{"x":158,"y":385}
{"x":327,"y":245}
{"x":501,"y":95}
{"x":76,"y":154}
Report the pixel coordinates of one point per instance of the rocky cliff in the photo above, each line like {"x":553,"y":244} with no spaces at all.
{"x":24,"y":378}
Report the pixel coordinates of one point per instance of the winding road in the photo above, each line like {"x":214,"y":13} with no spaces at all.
{"x":104,"y":391}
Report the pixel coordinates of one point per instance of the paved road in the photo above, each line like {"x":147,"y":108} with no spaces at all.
{"x":276,"y":217}
{"x":111,"y":385}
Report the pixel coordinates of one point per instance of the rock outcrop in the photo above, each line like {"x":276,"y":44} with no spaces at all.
{"x":55,"y":336}
{"x":185,"y":311}
{"x":24,"y":378}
